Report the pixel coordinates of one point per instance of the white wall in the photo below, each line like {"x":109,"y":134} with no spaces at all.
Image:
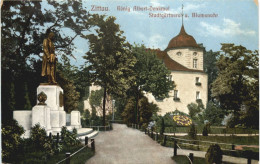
{"x":185,"y":84}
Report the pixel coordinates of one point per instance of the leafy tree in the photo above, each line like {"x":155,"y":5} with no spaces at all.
{"x":146,"y":110}
{"x":151,"y":75}
{"x":210,"y":67}
{"x":23,"y":29}
{"x":95,"y":98}
{"x":213,"y":113}
{"x":195,"y":111}
{"x":237,"y":84}
{"x":71,"y":96}
{"x":128,"y":113}
{"x":109,"y":59}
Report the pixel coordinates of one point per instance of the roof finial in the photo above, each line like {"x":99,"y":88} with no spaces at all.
{"x":182,"y":14}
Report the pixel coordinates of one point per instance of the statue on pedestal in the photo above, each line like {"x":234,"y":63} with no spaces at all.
{"x":49,"y":59}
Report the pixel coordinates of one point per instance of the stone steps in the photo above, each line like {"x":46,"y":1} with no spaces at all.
{"x":91,"y":135}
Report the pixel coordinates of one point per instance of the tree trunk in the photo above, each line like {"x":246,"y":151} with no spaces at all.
{"x":104,"y":106}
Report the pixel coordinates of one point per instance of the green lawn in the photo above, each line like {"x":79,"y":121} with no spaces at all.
{"x":181,"y":159}
{"x":37,"y":156}
{"x":214,"y":130}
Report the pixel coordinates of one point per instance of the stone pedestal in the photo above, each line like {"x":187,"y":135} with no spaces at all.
{"x":55,"y":102}
{"x":54,"y":96}
{"x":49,"y":114}
{"x":41,"y":115}
{"x":24,"y":118}
{"x":58,"y":119}
{"x":75,"y":119}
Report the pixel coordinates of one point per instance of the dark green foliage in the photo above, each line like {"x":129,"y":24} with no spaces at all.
{"x":214,"y":154}
{"x":27,"y":105}
{"x":69,"y":138}
{"x":192,"y":132}
{"x":195,"y":111}
{"x":95,"y":98}
{"x":151,"y":73}
{"x":11,"y":139}
{"x":146,"y":110}
{"x":71,"y":96}
{"x":213,"y":113}
{"x":162,"y":127}
{"x":24,"y":26}
{"x":237,"y":84}
{"x":206,"y":129}
{"x":128,"y":113}
{"x":210,"y":67}
{"x":109,"y":59}
{"x":38,"y":136}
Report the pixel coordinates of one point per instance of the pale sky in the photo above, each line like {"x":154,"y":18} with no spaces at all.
{"x":237,"y":22}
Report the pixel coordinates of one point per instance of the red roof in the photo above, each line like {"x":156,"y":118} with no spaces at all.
{"x":170,"y":63}
{"x":182,"y":40}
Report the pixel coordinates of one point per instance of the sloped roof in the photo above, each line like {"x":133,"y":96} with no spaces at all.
{"x":170,"y":63}
{"x":182,"y":40}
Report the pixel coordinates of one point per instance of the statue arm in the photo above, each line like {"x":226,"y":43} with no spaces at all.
{"x":45,"y":48}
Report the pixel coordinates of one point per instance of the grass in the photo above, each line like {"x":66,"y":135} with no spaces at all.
{"x":214,"y":130}
{"x":181,"y":159}
{"x":32,"y":157}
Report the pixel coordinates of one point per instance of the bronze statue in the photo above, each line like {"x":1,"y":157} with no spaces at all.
{"x":49,"y":59}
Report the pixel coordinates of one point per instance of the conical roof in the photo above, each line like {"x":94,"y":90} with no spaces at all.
{"x":182,"y":40}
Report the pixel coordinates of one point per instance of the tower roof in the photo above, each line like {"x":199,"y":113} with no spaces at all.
{"x":182,"y":40}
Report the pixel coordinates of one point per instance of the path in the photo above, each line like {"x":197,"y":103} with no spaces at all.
{"x":124,"y":145}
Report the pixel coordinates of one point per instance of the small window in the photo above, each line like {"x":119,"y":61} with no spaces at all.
{"x":197,"y":95}
{"x":195,"y":53}
{"x":198,"y":83}
{"x":175,"y":93}
{"x":179,"y":53}
{"x":197,"y":79}
{"x":195,"y":63}
{"x":175,"y":96}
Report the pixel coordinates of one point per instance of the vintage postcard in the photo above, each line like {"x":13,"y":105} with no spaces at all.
{"x":129,"y":81}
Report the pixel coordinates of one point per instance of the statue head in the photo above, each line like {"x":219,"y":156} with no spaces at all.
{"x":51,"y":35}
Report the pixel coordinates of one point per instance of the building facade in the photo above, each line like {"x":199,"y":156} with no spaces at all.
{"x":184,"y":58}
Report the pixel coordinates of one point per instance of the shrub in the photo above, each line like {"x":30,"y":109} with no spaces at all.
{"x":214,"y":154}
{"x":192,"y":132}
{"x":38,"y":136}
{"x":11,"y":139}
{"x":206,"y":129}
{"x":69,"y":138}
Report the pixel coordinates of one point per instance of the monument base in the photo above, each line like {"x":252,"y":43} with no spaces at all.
{"x":75,"y":119}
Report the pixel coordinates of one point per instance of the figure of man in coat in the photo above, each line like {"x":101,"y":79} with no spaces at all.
{"x":49,"y":59}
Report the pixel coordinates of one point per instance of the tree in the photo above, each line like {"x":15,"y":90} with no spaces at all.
{"x":195,"y":110}
{"x":210,"y":67}
{"x":237,"y":84}
{"x":146,"y":110}
{"x":213,"y":113}
{"x":128,"y":113}
{"x":151,"y":75}
{"x":23,"y":29}
{"x":109,"y":59}
{"x":71,"y":96}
